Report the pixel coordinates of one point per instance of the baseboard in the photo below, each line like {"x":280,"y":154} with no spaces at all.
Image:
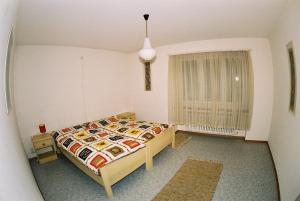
{"x":274,"y":167}
{"x":276,"y":175}
{"x":256,"y":141}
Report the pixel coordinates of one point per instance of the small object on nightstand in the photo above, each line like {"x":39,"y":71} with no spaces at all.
{"x":42,"y":128}
{"x":126,"y":115}
{"x":42,"y":144}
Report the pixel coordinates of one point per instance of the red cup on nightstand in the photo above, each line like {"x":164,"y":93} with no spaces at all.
{"x":42,"y":128}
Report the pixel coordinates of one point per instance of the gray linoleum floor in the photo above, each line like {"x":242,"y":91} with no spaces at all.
{"x":247,"y":175}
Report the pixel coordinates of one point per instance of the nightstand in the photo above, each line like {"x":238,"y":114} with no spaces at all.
{"x":44,"y":147}
{"x":126,"y":115}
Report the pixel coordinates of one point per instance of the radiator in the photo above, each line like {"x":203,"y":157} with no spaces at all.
{"x":211,"y":130}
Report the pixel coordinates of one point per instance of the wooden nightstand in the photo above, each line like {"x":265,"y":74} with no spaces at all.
{"x":126,"y":115}
{"x":42,"y":144}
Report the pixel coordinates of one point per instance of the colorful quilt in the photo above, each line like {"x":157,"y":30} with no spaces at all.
{"x":95,"y":147}
{"x":141,"y":130}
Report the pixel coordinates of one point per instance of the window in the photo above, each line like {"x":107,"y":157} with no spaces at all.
{"x":211,"y":89}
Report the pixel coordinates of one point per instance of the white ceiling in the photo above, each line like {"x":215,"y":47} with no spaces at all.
{"x":119,"y":25}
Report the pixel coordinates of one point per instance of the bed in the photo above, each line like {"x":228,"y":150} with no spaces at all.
{"x":95,"y":143}
{"x":156,"y":136}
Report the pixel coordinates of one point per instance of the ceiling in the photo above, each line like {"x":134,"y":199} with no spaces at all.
{"x":119,"y":25}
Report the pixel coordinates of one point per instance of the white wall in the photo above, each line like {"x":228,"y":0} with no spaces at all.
{"x":17,"y":182}
{"x":285,"y":131}
{"x":55,"y":86}
{"x":153,"y":105}
{"x":63,"y":86}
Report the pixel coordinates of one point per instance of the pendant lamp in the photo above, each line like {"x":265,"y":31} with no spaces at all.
{"x":147,"y":53}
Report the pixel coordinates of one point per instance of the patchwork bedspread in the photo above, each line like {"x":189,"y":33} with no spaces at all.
{"x":101,"y":142}
{"x":141,"y":130}
{"x":95,"y":147}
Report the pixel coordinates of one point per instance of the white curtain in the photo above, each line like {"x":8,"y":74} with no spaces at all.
{"x":212,"y":89}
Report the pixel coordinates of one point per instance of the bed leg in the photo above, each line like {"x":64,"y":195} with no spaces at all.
{"x":173,"y":137}
{"x":149,"y":160}
{"x":108,"y":191}
{"x":106,"y":183}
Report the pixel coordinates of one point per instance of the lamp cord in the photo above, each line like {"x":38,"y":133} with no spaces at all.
{"x":146,"y":29}
{"x":82,"y":88}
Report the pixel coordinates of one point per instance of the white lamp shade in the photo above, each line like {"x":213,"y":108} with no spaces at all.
{"x":147,"y":53}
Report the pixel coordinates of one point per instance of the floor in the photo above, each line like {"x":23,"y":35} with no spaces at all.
{"x":247,"y":174}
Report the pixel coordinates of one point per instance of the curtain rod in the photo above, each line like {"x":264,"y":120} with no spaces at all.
{"x":209,"y":51}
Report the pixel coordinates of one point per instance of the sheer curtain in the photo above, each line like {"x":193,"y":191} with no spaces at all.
{"x":213,"y":89}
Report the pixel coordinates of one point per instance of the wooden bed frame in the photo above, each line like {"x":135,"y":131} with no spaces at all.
{"x":117,"y":170}
{"x":157,"y":144}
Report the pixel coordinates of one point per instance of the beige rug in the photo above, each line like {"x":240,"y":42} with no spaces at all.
{"x":181,"y":138}
{"x":194,"y":181}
